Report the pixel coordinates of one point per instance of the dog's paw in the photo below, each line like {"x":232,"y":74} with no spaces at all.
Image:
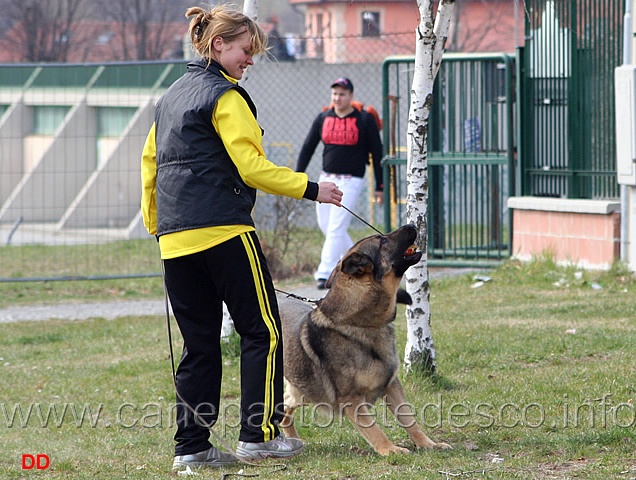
{"x":394,"y":449}
{"x":430,"y":444}
{"x":442,"y":446}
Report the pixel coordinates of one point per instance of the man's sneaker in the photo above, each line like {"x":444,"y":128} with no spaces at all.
{"x":321,"y":283}
{"x":211,"y":457}
{"x":280,"y":447}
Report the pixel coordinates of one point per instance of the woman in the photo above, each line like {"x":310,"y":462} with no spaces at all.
{"x":201,"y":166}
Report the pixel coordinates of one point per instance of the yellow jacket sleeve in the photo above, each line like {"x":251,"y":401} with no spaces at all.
{"x":242,"y":137}
{"x":148,"y":183}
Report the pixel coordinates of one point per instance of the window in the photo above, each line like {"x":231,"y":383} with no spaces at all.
{"x":112,"y":121}
{"x":47,"y":119}
{"x":370,"y":24}
{"x":104,"y":38}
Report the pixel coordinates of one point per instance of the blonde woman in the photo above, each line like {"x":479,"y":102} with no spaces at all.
{"x":201,"y":166}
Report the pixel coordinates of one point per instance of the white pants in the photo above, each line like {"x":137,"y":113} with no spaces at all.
{"x":334,"y":221}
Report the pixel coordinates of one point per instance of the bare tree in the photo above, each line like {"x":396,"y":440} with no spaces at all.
{"x":141,"y":26}
{"x":430,"y":43}
{"x":42,"y":27}
{"x":482,"y":36}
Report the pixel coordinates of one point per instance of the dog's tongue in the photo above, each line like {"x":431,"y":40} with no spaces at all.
{"x":412,"y":250}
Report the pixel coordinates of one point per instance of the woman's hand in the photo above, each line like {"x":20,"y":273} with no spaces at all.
{"x":328,"y":192}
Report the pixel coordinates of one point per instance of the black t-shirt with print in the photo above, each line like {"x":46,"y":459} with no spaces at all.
{"x":348,"y":141}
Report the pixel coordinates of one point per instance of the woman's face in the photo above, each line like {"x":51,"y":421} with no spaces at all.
{"x":234,"y":56}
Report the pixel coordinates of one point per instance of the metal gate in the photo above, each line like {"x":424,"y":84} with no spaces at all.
{"x":567,"y":143}
{"x":471,"y":155}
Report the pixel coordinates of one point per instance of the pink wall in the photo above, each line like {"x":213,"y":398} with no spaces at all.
{"x":590,"y":240}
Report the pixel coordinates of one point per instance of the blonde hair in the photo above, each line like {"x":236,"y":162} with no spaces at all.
{"x":225,"y":22}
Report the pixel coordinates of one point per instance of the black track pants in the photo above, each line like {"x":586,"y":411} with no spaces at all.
{"x":233,"y":272}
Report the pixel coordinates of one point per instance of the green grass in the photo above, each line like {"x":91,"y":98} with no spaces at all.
{"x":534,"y":381}
{"x":125,"y":257}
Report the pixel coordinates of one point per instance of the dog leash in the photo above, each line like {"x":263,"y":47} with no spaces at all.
{"x":297,"y":297}
{"x":312,"y":300}
{"x":219,"y":440}
{"x":362,"y":219}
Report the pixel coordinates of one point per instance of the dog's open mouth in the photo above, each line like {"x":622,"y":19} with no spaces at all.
{"x":412,"y":254}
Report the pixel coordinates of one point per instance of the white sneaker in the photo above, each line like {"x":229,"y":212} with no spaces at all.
{"x":280,"y":447}
{"x":212,"y":457}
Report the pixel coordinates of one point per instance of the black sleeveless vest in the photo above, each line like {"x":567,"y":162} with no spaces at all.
{"x":198,"y":185}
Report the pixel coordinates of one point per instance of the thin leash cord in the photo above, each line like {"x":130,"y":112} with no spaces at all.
{"x":275,"y":467}
{"x":311,"y":300}
{"x":362,"y":220}
{"x":297,"y":297}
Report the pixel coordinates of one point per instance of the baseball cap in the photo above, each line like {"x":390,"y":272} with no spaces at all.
{"x":343,"y":82}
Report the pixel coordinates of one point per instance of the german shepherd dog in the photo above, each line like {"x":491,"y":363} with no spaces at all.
{"x":342,"y":352}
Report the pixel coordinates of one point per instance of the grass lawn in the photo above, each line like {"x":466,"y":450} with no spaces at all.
{"x":535,"y":380}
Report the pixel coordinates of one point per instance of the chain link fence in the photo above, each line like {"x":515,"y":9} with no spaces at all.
{"x":70,"y":143}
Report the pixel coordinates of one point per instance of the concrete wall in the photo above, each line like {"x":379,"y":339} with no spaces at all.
{"x":111,"y":196}
{"x":15,"y":125}
{"x":45,"y":191}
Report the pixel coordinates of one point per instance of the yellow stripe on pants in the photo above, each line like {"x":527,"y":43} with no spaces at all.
{"x":268,"y":318}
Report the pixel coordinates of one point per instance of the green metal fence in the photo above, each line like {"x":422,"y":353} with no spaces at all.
{"x":567,"y":143}
{"x":470,"y":154}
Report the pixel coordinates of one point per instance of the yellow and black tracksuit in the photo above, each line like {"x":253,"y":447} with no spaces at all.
{"x":201,"y":166}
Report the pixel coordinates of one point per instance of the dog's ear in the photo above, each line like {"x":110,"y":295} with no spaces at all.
{"x":402,"y":296}
{"x":333,"y":274}
{"x":357,"y":264}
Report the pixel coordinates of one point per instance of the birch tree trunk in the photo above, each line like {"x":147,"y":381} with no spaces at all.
{"x":250,"y":8}
{"x":430,"y":42}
